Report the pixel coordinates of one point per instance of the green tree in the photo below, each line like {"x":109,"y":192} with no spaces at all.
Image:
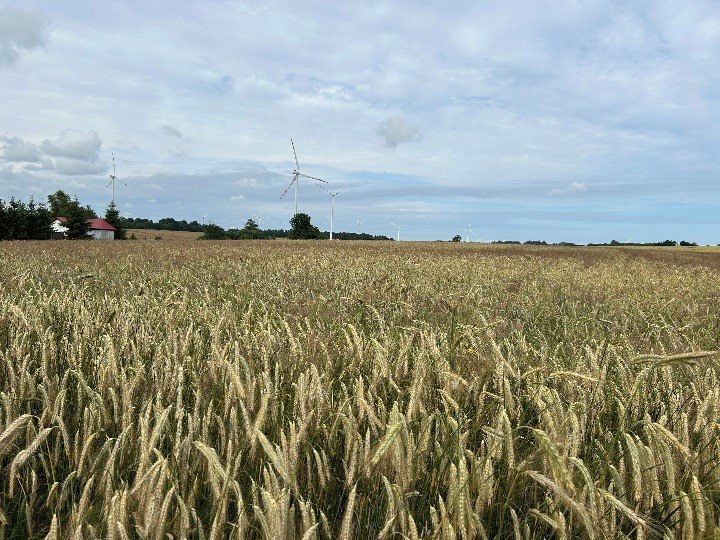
{"x":61,"y":204}
{"x":112,"y":216}
{"x":76,"y":222}
{"x":250,"y":225}
{"x":302,"y":229}
{"x":213,"y":232}
{"x":457,"y":238}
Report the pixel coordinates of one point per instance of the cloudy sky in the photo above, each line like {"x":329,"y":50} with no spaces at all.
{"x":566,"y":121}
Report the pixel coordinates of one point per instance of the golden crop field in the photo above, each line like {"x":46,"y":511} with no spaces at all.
{"x":307,"y":390}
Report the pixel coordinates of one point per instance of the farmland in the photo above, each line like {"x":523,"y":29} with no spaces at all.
{"x":278,"y":389}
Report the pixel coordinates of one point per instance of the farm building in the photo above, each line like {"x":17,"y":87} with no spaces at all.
{"x":98,"y":229}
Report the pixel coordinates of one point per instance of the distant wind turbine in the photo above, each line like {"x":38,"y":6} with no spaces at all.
{"x":398,"y":229}
{"x":113,"y":178}
{"x":468,"y":230}
{"x":359,"y":222}
{"x":296,"y":178}
{"x":202,"y":217}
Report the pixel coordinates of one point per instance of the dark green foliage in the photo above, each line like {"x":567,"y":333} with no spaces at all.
{"x":164,"y":224}
{"x":456,"y":238}
{"x":213,"y":232}
{"x":61,"y":204}
{"x":20,"y":221}
{"x":112,"y":216}
{"x":302,"y":229}
{"x":76,"y":222}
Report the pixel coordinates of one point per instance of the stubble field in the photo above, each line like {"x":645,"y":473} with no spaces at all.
{"x":357,"y":390}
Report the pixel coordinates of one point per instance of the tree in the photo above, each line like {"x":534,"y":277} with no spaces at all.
{"x":213,"y":232}
{"x":250,"y":225}
{"x":112,"y":216}
{"x":76,"y":222}
{"x":61,"y":204}
{"x":302,"y":229}
{"x":457,"y":238}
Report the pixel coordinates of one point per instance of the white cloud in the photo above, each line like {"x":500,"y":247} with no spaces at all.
{"x":396,"y":130}
{"x":575,"y":187}
{"x":20,"y":31}
{"x":237,"y":198}
{"x":248,"y":182}
{"x":171,"y":131}
{"x":75,"y":145}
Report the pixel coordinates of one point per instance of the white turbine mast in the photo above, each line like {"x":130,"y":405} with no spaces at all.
{"x":332,"y":194}
{"x":359,"y":222}
{"x":469,"y":231}
{"x":113,"y":178}
{"x":398,"y":230}
{"x":296,"y":178}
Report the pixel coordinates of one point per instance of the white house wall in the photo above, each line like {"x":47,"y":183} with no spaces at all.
{"x":102,"y":235}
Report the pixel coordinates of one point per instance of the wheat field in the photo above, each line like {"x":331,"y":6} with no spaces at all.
{"x":357,"y":390}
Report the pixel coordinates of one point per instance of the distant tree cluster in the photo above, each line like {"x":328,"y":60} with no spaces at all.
{"x":164,"y":224}
{"x":21,"y":221}
{"x":301,"y":228}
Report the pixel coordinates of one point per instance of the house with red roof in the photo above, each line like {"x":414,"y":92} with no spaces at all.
{"x":98,"y":229}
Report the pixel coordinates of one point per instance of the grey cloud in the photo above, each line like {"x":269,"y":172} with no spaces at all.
{"x":69,"y":166}
{"x":20,"y":31}
{"x":74,"y":144}
{"x":16,"y":149}
{"x":44,"y":164}
{"x":397,"y":130}
{"x":171,"y":131}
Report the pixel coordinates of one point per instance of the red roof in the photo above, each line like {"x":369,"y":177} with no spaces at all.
{"x":95,"y":224}
{"x":100,"y":225}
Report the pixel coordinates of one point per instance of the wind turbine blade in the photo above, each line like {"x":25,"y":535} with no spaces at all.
{"x":123,"y":183}
{"x":109,"y":183}
{"x":297,"y":165}
{"x":342,"y":189}
{"x":312,"y":177}
{"x":323,"y":187}
{"x":291,"y":183}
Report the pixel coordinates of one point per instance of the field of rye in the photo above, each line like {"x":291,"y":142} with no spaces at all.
{"x":310,"y":390}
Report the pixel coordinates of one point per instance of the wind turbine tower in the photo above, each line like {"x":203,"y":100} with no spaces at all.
{"x":332,"y":204}
{"x":359,"y":222}
{"x":398,"y":230}
{"x":113,"y":178}
{"x":296,"y":178}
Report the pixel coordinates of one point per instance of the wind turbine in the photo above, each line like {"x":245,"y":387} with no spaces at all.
{"x":202,"y":216}
{"x":398,"y":229}
{"x":628,"y":240}
{"x":113,"y":178}
{"x":296,"y":178}
{"x":332,"y":204}
{"x":468,"y":230}
{"x":359,"y":222}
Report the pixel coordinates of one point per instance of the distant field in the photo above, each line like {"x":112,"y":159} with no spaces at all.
{"x":151,"y":234}
{"x":336,"y":390}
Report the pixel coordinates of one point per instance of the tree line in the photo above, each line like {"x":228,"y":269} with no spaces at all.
{"x":301,"y":228}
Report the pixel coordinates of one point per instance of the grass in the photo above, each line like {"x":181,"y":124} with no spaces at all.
{"x":357,"y":390}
